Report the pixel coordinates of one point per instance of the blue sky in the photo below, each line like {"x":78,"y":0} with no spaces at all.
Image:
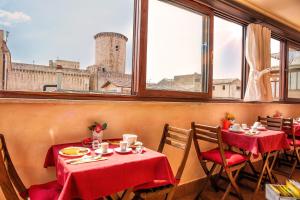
{"x":42,"y":30}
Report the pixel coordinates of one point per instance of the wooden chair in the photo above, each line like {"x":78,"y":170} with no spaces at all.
{"x":262,"y":120}
{"x":12,"y":186}
{"x":293,"y":155}
{"x":271,"y":123}
{"x":178,"y":138}
{"x":230,"y":161}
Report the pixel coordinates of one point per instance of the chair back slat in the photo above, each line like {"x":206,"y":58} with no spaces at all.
{"x":10,"y":179}
{"x":262,"y":120}
{"x":175,"y":143}
{"x":200,"y":132}
{"x":288,"y":127}
{"x":179,"y":130}
{"x":208,"y":133}
{"x":205,"y":138}
{"x":178,"y":138}
{"x":274,"y":124}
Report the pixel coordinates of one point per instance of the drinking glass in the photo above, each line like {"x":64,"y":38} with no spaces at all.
{"x":95,"y":144}
{"x":139,"y":148}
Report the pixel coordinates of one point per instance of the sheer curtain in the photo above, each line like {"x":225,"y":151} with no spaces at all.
{"x":258,"y":53}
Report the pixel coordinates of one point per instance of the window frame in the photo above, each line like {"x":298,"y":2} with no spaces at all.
{"x":142,"y":90}
{"x":233,"y":11}
{"x":244,"y":65}
{"x":289,"y":44}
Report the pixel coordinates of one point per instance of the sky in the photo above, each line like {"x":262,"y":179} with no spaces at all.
{"x":40,"y":31}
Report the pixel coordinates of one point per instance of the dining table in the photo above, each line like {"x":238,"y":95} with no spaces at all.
{"x":296,"y":128}
{"x":266,"y":143}
{"x":117,"y":172}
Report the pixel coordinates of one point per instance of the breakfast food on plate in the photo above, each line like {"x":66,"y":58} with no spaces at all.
{"x":74,"y":151}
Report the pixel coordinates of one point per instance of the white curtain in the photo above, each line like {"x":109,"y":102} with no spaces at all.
{"x":258,"y":55}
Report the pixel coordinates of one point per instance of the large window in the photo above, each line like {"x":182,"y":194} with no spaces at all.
{"x":177,"y":48}
{"x":227,"y":63}
{"x":294,"y":72}
{"x":67,"y":46}
{"x":275,"y":68}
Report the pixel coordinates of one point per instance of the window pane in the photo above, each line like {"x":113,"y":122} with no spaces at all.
{"x":83,"y":46}
{"x":227,"y":64}
{"x":177,"y":48}
{"x":275,"y":68}
{"x":294,"y":73}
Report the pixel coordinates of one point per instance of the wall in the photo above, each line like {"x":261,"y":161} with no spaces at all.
{"x":31,"y":127}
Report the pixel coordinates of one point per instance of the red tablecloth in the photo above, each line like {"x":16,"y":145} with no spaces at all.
{"x":297,"y":129}
{"x":264,"y":142}
{"x":102,"y":178}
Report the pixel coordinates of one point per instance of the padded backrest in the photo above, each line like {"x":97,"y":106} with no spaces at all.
{"x":9,"y":179}
{"x":178,"y":138}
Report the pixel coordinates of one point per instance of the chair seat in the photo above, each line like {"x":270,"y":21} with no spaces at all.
{"x":232,"y":158}
{"x":297,"y":142}
{"x":47,"y":191}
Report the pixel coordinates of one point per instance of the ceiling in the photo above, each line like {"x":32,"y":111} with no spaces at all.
{"x":285,"y":11}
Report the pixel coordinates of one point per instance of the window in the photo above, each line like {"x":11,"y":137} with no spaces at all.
{"x":275,"y":68}
{"x":223,"y":87}
{"x":294,"y":72}
{"x":92,"y":42}
{"x":227,"y":63}
{"x":177,"y":49}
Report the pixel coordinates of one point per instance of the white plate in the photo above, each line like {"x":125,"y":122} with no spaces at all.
{"x":237,"y":131}
{"x":99,"y":151}
{"x":119,"y":150}
{"x":87,"y":151}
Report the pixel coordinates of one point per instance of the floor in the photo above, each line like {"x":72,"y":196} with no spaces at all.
{"x":247,"y":192}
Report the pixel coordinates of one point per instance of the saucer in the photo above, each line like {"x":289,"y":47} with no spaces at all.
{"x":236,"y":131}
{"x":99,"y":151}
{"x":128,"y":150}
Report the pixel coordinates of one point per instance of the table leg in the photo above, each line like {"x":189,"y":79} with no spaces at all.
{"x":126,"y":194}
{"x":265,"y":163}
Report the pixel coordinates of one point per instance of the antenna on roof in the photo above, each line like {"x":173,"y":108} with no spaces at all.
{"x":33,"y":62}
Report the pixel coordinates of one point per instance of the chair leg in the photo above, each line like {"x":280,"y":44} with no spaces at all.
{"x":126,"y":194}
{"x":232,"y":179}
{"x":297,"y":161}
{"x":208,"y":177}
{"x":171,"y":194}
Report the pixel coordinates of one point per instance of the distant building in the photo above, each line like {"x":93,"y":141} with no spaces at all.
{"x":227,"y":88}
{"x":106,"y":75}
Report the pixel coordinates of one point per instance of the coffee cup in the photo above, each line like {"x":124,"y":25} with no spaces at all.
{"x":244,"y":126}
{"x":123,"y":145}
{"x":130,"y":138}
{"x":104,"y":147}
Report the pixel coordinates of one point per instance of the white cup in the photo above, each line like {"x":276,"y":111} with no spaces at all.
{"x":104,"y":147}
{"x":123,"y":145}
{"x":244,"y":126}
{"x":130,"y":138}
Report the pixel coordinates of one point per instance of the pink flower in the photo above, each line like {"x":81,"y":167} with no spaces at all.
{"x":98,"y":128}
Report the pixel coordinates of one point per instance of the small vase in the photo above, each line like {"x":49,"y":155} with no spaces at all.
{"x":226,"y":124}
{"x":97,"y":136}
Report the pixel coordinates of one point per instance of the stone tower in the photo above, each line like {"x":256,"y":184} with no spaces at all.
{"x":110,"y":51}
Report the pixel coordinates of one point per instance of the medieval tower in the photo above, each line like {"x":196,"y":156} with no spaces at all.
{"x":110,"y":51}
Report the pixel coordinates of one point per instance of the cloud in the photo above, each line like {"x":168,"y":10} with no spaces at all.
{"x":8,"y":18}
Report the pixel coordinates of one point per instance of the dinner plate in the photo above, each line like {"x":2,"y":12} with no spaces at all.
{"x":236,"y":131}
{"x":119,"y":150}
{"x":261,"y":128}
{"x":74,"y":151}
{"x":99,"y":151}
